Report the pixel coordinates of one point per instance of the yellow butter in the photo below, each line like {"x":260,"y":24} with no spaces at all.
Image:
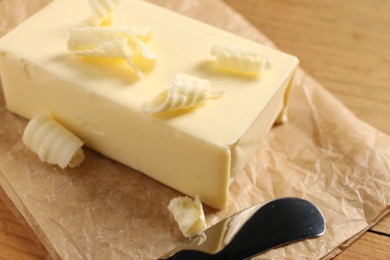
{"x":52,"y":142}
{"x":239,"y":60}
{"x":198,"y":151}
{"x":102,"y":11}
{"x":185,"y":92}
{"x":114,"y":49}
{"x":81,"y":38}
{"x":189,"y":215}
{"x":115,"y":43}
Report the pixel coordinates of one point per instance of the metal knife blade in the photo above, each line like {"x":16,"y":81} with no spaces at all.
{"x":254,"y":231}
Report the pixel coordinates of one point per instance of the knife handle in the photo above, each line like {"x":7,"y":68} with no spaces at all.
{"x":277,"y":223}
{"x":194,"y":255}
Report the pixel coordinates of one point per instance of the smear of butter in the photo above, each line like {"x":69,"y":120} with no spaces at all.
{"x":188,"y":214}
{"x":185,"y":92}
{"x":238,"y":60}
{"x":52,"y":142}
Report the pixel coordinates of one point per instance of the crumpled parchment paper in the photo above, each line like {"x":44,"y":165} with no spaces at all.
{"x":104,"y":210}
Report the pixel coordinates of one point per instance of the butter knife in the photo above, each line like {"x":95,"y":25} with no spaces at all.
{"x":254,"y":231}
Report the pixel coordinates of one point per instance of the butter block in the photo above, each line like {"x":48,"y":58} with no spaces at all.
{"x":195,"y":151}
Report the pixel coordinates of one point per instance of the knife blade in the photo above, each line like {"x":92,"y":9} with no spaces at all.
{"x":254,"y":231}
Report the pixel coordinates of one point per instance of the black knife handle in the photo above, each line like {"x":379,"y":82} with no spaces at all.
{"x":275,"y":224}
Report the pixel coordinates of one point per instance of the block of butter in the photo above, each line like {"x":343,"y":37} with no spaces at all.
{"x":197,"y":151}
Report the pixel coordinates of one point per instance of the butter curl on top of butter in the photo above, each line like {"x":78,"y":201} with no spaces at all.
{"x":124,"y":42}
{"x":88,"y":37}
{"x":185,"y":92}
{"x":239,"y":60}
{"x":115,"y":49}
{"x":102,"y":11}
{"x":188,"y":214}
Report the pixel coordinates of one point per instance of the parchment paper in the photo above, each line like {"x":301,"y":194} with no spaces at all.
{"x":104,"y":210}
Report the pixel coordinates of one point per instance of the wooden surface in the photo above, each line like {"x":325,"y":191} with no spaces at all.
{"x":345,"y":45}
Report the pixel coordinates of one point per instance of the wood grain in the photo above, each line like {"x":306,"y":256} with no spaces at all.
{"x":15,"y":239}
{"x":369,"y":246}
{"x":383,"y":226}
{"x":345,"y":45}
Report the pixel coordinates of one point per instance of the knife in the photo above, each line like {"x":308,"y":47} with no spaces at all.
{"x":254,"y":231}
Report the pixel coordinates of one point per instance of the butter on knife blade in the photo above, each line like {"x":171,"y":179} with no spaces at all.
{"x":254,"y":231}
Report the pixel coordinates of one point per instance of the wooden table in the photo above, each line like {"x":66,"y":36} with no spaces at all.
{"x":345,"y":45}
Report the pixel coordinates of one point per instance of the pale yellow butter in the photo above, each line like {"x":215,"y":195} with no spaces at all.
{"x":185,"y":92}
{"x":198,"y":151}
{"x":52,"y":142}
{"x":115,"y":43}
{"x":237,"y":60}
{"x":188,"y":214}
{"x":102,"y":11}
